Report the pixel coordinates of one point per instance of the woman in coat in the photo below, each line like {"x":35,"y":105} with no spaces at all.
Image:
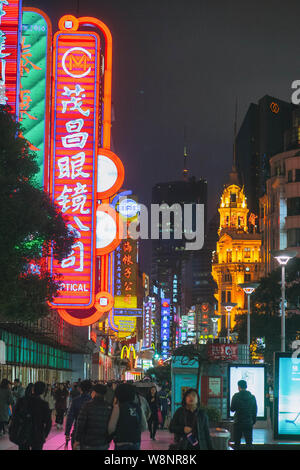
{"x":6,"y":401}
{"x":154,"y":406}
{"x":190,"y":424}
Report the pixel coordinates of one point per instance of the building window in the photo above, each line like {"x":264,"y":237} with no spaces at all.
{"x":223,"y":297}
{"x":228,"y":296}
{"x":293,"y":206}
{"x":293,"y":237}
{"x":233,"y":197}
{"x":247,"y":277}
{"x":290,"y":176}
{"x":297,"y":175}
{"x":247,"y":253}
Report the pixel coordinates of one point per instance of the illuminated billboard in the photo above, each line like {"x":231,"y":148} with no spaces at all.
{"x":10,"y":31}
{"x":35,"y":71}
{"x":165,"y":328}
{"x":147,"y":327}
{"x":287,"y":397}
{"x":254,"y":375}
{"x":125,"y":290}
{"x":126,"y":325}
{"x":74,"y":153}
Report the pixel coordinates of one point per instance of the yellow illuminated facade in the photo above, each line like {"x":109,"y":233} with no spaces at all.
{"x":238,"y":253}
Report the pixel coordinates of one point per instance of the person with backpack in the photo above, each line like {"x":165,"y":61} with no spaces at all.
{"x":244,"y":405}
{"x":6,"y":401}
{"x":125,"y":424}
{"x":190,"y":425}
{"x":92,"y":422}
{"x":85,"y":396}
{"x":31,"y":421}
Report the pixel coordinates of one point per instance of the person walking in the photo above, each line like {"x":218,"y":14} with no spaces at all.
{"x":125,"y":424}
{"x":74,"y":392}
{"x":49,"y":398}
{"x":75,"y":407}
{"x":92,"y":422}
{"x":17,"y":390}
{"x":154,"y":405}
{"x":60,"y":396}
{"x":31,"y":420}
{"x":110,"y":394}
{"x":244,"y":405}
{"x":164,"y":404}
{"x":190,"y":425}
{"x":6,"y":402}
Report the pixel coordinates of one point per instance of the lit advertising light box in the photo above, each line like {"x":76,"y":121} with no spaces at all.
{"x":255,"y":376}
{"x":287,"y":397}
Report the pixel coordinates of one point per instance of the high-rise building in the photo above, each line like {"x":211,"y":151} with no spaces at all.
{"x":261,"y":135}
{"x":169,"y":256}
{"x":280,"y":207}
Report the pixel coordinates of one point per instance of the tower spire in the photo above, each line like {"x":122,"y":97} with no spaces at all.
{"x":185,"y":156}
{"x":234,"y":167}
{"x":233,"y":175}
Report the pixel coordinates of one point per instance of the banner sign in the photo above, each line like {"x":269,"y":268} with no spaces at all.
{"x":223,"y":352}
{"x":165,"y":328}
{"x":147,"y":328}
{"x":35,"y":71}
{"x":125,"y":291}
{"x":10,"y":26}
{"x":73,"y":166}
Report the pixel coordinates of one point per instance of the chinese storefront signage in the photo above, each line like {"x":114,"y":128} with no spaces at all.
{"x":73,"y":168}
{"x":35,"y":86}
{"x":125,"y":292}
{"x":10,"y":25}
{"x":165,"y":328}
{"x":147,"y":327}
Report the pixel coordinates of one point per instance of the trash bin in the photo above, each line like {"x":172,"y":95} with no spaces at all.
{"x":220,"y":438}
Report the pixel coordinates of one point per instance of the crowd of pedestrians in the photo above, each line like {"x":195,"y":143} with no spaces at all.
{"x":97,"y":414}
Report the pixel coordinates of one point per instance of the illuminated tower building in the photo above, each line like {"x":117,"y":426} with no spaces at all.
{"x":237,"y":258}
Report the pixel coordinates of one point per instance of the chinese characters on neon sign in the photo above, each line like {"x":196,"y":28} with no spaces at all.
{"x":10,"y":24}
{"x":74,"y":159}
{"x":147,"y":324}
{"x":125,"y":274}
{"x":165,"y":328}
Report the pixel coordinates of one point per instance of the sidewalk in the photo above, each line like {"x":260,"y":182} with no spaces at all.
{"x":262,"y":439}
{"x":56,"y":441}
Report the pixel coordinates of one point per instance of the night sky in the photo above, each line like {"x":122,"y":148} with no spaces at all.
{"x":183,"y":63}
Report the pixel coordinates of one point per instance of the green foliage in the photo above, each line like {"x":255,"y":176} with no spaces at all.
{"x":162,"y":374}
{"x":214,"y":415}
{"x":29,"y":224}
{"x":265,"y":310}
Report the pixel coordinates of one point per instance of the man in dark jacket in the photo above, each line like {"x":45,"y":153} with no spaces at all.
{"x":85,"y":395}
{"x":245,"y":407}
{"x":39,"y":415}
{"x":92,"y":422}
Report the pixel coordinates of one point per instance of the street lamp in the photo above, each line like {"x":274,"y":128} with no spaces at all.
{"x":228,"y":307}
{"x":248,"y":288}
{"x":283,"y":257}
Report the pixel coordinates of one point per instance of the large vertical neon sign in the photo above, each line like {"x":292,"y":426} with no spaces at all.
{"x":35,"y":86}
{"x":165,"y":328}
{"x":74,"y":152}
{"x":10,"y":25}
